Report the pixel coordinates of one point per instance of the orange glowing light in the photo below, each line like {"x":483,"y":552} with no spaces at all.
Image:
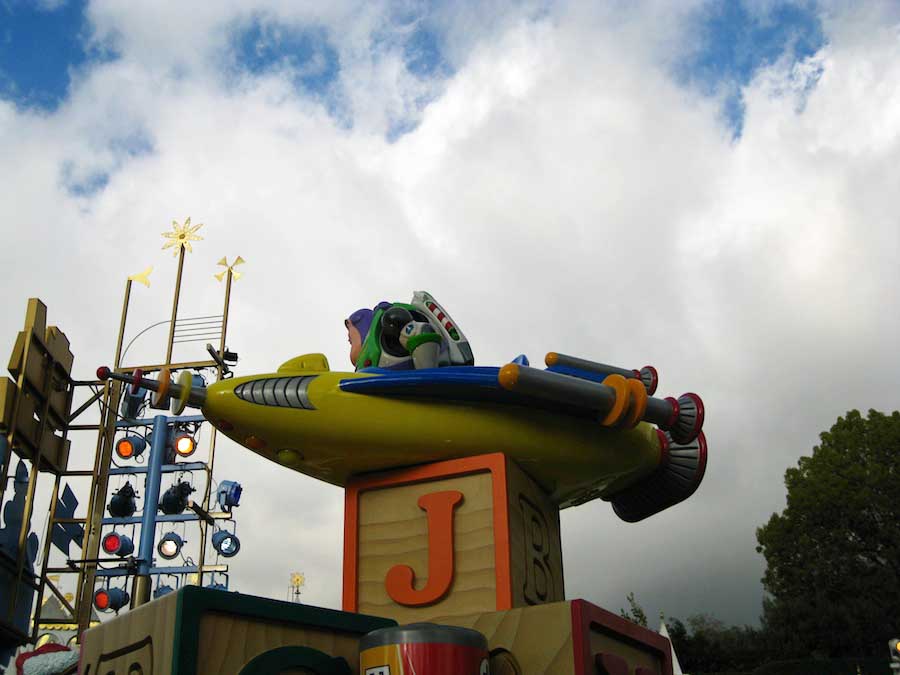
{"x":125,"y":448}
{"x":185,"y":446}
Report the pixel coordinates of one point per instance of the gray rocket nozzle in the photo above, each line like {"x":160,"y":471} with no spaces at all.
{"x":195,"y":396}
{"x":647,"y":375}
{"x":682,"y":417}
{"x":680,"y":472}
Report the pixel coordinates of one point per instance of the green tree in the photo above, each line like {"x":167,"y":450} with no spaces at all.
{"x":707,"y":645}
{"x":635,"y":612}
{"x":833,"y":555}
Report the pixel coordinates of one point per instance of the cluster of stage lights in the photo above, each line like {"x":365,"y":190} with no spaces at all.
{"x":183,"y":445}
{"x":174,"y":501}
{"x":225,"y":543}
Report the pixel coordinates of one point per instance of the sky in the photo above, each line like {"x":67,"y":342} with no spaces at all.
{"x":705,"y":186}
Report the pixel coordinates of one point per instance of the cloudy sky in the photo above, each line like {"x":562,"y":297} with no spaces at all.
{"x":708,"y":187}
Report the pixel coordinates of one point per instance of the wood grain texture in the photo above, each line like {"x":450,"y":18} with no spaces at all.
{"x":228,"y":643}
{"x":144,"y":635}
{"x":393,"y":530}
{"x":538,"y":638}
{"x":542,"y":640}
{"x":535,"y":546}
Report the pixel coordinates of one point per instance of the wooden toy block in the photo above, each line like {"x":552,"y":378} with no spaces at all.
{"x":570,"y":638}
{"x":450,"y":539}
{"x":200,"y":631}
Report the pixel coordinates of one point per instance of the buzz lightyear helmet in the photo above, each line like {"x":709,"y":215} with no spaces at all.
{"x":458,"y":353}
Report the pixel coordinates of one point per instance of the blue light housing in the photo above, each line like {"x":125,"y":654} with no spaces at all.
{"x":170,"y":545}
{"x":131,"y":403}
{"x":226,"y":543}
{"x":117,"y":544}
{"x":111,"y":599}
{"x":229,"y":494}
{"x":175,"y":499}
{"x":130,"y":446}
{"x":162,"y":590}
{"x":122,"y":504}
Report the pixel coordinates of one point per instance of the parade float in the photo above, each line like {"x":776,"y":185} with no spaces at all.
{"x":454,"y":476}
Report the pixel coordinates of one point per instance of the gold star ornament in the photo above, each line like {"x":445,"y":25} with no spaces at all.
{"x":297,"y":579}
{"x":181,"y":236}
{"x":229,"y":268}
{"x":142,"y":277}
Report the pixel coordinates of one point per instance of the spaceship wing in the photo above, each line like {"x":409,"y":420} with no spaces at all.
{"x":463,"y":383}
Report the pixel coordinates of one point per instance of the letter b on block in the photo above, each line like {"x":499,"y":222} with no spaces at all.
{"x":538,"y":575}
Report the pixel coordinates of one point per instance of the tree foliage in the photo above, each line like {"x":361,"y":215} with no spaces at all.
{"x":635,"y":612}
{"x":706,"y":645}
{"x":833,"y":555}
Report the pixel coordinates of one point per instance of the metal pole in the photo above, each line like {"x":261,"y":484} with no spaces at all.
{"x":141,"y":588}
{"x":100,"y":482}
{"x":212,"y":439}
{"x":122,"y":323}
{"x":175,"y":306}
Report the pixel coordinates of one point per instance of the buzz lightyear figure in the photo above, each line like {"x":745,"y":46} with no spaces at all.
{"x":401,"y":336}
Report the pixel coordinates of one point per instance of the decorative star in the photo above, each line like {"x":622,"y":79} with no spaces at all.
{"x":297,"y":579}
{"x":142,"y":277}
{"x":230,"y":268}
{"x":181,"y":236}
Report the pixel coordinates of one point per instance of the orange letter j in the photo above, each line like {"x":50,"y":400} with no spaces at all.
{"x":399,"y":581}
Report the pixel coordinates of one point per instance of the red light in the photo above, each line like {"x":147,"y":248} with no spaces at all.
{"x":101,"y":600}
{"x":111,"y":543}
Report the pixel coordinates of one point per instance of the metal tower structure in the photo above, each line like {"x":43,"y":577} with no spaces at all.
{"x":35,"y":421}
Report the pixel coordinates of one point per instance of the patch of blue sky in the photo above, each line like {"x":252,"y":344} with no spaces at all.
{"x":41,"y":44}
{"x":304,"y":54}
{"x":135,"y":144}
{"x":307,"y":56}
{"x":88,"y":178}
{"x":736,"y":39}
{"x":82,"y":184}
{"x":423,"y":55}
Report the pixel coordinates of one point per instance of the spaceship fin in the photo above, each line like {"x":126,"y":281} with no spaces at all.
{"x":308,"y":363}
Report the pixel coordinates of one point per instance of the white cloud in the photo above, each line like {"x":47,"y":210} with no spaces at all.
{"x":561,"y":192}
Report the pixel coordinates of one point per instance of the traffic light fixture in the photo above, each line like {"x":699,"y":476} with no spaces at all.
{"x":894,"y":647}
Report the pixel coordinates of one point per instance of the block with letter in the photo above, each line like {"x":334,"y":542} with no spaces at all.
{"x":450,"y":539}
{"x":570,"y":638}
{"x":200,"y":631}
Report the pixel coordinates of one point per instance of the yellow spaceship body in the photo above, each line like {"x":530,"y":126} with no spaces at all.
{"x":581,"y":430}
{"x":303,"y":419}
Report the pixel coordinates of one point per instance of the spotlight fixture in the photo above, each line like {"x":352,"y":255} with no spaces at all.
{"x":226,"y":544}
{"x":130,"y":446}
{"x":117,"y":544}
{"x":122,"y":504}
{"x":184,"y":445}
{"x":170,"y":545}
{"x":161,"y":591}
{"x":111,"y":599}
{"x":216,"y":586}
{"x":175,"y":499}
{"x":228,"y":495}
